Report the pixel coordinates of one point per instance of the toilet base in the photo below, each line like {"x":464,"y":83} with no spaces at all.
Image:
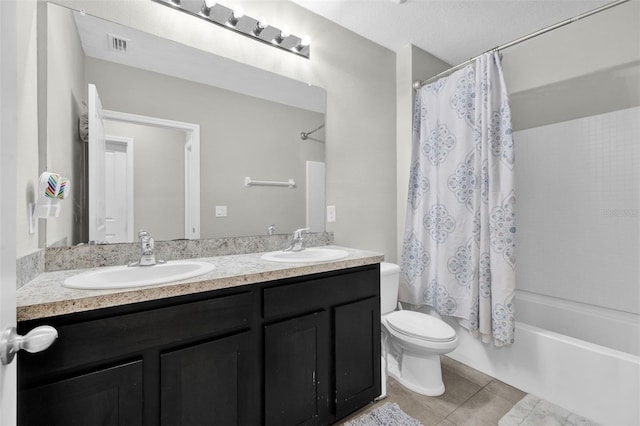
{"x":421,"y":374}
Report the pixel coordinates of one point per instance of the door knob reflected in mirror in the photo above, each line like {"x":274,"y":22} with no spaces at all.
{"x":37,"y":340}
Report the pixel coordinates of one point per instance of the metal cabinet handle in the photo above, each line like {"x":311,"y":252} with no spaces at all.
{"x":38,"y":339}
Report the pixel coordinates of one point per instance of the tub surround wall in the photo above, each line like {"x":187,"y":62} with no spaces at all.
{"x":577,"y":214}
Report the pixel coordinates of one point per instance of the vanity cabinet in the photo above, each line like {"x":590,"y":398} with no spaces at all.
{"x":149,"y":363}
{"x":208,"y":383}
{"x":357,"y":354}
{"x":110,"y":396}
{"x":302,"y":350}
{"x":297,"y":371}
{"x":322,"y":347}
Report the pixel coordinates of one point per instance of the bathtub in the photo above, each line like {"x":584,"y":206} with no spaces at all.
{"x":591,"y":379}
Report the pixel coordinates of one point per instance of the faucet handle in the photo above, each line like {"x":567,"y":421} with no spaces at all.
{"x":142,"y":233}
{"x":298,"y":232}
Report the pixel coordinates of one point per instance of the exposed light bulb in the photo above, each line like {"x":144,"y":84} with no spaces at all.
{"x":284,"y":33}
{"x":214,"y":12}
{"x":205,"y":10}
{"x":304,"y":42}
{"x":260,"y":26}
{"x":236,"y":14}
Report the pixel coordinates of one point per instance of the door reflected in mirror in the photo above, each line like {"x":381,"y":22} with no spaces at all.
{"x":250,"y":123}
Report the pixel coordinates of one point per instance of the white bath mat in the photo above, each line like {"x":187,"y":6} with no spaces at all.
{"x":389,"y":414}
{"x":533,"y":411}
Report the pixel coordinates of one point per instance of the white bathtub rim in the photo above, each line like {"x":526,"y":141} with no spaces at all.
{"x":544,"y":363}
{"x":610,"y":328}
{"x":582,"y":344}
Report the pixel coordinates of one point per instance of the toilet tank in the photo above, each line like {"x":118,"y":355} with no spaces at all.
{"x":389,"y":281}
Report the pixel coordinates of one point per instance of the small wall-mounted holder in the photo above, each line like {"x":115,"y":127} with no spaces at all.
{"x":52,"y":189}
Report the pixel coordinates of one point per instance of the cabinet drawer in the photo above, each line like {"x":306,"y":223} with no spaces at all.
{"x":95,"y":341}
{"x":312,"y":294}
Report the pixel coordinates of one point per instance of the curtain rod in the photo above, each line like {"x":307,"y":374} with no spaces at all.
{"x":305,"y":135}
{"x":419,"y":84}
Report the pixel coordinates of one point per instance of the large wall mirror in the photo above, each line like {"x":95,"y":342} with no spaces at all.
{"x":250,"y":123}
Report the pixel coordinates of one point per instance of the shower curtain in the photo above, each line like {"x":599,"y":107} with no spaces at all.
{"x":458,"y":251}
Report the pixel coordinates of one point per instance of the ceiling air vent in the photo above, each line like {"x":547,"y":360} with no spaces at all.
{"x":117,"y":43}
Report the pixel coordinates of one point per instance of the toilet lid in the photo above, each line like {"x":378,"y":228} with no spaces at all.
{"x":420,"y":326}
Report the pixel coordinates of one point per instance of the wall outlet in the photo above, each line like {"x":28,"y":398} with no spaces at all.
{"x":221,"y":211}
{"x":331,"y":214}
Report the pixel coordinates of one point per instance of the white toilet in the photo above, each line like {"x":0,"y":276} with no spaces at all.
{"x":414,"y":340}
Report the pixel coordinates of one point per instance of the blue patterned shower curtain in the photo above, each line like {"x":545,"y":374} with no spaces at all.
{"x":459,"y":242}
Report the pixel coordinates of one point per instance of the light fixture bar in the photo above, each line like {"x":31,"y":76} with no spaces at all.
{"x":237,"y":21}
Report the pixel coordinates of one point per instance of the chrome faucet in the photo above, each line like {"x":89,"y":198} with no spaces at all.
{"x":271,"y":230}
{"x":297,"y":241}
{"x":147,"y":257}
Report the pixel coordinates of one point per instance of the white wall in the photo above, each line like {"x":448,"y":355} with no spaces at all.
{"x":412,"y":64}
{"x":359,"y":77}
{"x":240,"y":136}
{"x":27,"y":124}
{"x":9,"y":21}
{"x":158,"y":178}
{"x":603,"y":41}
{"x":65,"y":92}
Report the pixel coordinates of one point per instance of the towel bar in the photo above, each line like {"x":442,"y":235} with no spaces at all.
{"x":249,"y":182}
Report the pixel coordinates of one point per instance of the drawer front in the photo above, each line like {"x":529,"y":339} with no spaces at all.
{"x":312,"y":294}
{"x":99,"y":340}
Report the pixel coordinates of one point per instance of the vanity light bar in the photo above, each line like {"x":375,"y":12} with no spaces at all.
{"x":236,"y":20}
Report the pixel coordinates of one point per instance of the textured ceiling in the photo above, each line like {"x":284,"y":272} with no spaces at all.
{"x":452,"y":30}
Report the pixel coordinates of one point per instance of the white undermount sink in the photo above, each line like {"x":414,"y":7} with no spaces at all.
{"x":136,"y":276}
{"x":313,"y":254}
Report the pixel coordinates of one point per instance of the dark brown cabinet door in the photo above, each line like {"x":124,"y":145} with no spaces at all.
{"x":357,"y":354}
{"x":297,"y":371}
{"x":111,"y":396}
{"x":209,"y":383}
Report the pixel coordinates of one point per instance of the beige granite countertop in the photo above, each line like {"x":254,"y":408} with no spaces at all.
{"x":46,"y":297}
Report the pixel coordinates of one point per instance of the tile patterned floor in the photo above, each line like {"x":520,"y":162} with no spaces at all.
{"x":471,"y":399}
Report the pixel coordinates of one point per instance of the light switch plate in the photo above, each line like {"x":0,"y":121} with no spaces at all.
{"x":331,"y":214}
{"x":221,"y":211}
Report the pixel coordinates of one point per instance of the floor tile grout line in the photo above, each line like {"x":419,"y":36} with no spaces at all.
{"x":462,"y":403}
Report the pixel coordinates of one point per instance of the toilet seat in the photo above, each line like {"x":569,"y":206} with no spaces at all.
{"x":420,"y":326}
